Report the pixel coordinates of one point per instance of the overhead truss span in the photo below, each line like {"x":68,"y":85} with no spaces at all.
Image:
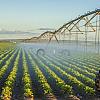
{"x":85,"y":27}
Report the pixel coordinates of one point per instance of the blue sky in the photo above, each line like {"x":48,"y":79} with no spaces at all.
{"x":30,"y":15}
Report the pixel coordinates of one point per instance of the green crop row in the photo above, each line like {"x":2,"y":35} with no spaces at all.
{"x":26,"y":79}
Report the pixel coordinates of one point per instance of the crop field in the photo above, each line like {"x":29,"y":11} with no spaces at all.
{"x":26,"y":75}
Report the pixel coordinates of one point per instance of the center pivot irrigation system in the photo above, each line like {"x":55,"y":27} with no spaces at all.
{"x":78,"y":30}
